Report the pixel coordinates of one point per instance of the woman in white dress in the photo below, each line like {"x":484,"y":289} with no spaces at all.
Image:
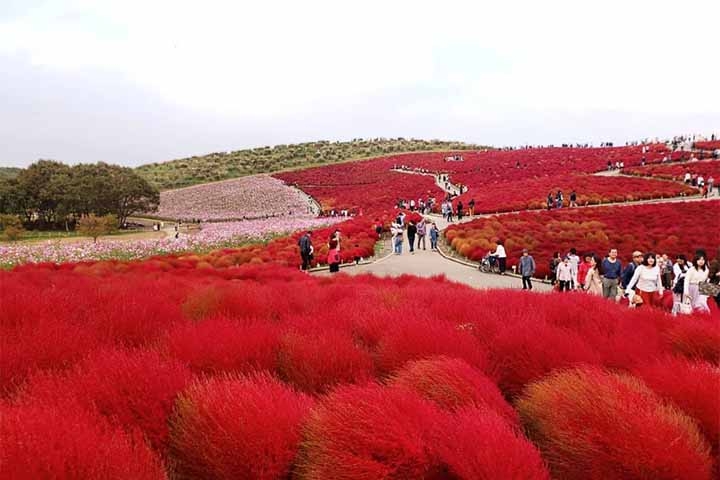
{"x":696,"y":274}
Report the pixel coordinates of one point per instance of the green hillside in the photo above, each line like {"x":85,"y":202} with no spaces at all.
{"x":222,"y":166}
{"x":9,"y":172}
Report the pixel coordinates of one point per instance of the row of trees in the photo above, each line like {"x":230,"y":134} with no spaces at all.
{"x":52,"y":195}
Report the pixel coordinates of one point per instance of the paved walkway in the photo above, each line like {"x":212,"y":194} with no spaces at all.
{"x":426,"y":263}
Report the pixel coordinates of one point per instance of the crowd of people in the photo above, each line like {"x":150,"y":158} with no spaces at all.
{"x":643,"y":282}
{"x":557,"y":200}
{"x":417,"y":233}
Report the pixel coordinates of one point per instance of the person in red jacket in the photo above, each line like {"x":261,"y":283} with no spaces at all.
{"x":583,"y":269}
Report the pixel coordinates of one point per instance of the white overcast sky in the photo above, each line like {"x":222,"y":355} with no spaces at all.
{"x":137,"y":81}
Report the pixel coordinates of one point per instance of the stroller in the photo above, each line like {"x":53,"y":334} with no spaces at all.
{"x":489,"y":264}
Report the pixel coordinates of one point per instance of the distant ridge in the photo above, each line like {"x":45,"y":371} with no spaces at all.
{"x":9,"y":172}
{"x":225,"y":165}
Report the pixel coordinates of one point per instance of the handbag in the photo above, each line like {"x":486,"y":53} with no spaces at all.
{"x":709,"y":289}
{"x":686,"y":308}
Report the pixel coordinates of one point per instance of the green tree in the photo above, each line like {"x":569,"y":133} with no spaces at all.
{"x":129,"y":193}
{"x":95,"y":226}
{"x":12,"y":198}
{"x":43,"y":184}
{"x":11,"y":227}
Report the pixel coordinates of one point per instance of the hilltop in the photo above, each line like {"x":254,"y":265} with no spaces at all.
{"x":9,"y":172}
{"x":226,"y":165}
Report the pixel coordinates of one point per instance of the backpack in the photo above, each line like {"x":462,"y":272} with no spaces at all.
{"x":679,"y":287}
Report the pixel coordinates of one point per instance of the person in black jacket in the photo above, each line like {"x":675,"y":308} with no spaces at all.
{"x":411,"y":231}
{"x":305,"y":244}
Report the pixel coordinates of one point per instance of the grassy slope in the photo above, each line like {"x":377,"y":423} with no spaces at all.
{"x":9,"y":172}
{"x":222,"y":166}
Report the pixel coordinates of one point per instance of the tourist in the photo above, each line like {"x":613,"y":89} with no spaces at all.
{"x":501,"y":255}
{"x":710,"y":185}
{"x":611,"y":268}
{"x":434,"y":234}
{"x":306,"y":249}
{"x":526,"y":269}
{"x":696,"y":274}
{"x":559,"y":199}
{"x":573,"y":199}
{"x":550,"y":201}
{"x":334,"y":252}
{"x":471,"y":206}
{"x":666,"y":270}
{"x":714,"y":274}
{"x":678,"y":286}
{"x":554,"y":262}
{"x":574,"y":261}
{"x":564,"y":275}
{"x":397,"y":237}
{"x":421,"y":231}
{"x":583,"y":269}
{"x":460,"y":207}
{"x":648,"y":280}
{"x":592,"y":282}
{"x":411,"y":232}
{"x":378,"y":228}
{"x":627,"y":274}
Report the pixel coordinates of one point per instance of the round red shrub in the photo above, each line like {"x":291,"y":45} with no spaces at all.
{"x":233,"y":427}
{"x":452,"y":384}
{"x":369,"y":432}
{"x":528,"y":350}
{"x":476,"y":443}
{"x":316,"y":362}
{"x":66,"y":441}
{"x":133,"y":389}
{"x":696,"y":337}
{"x":221,"y":344}
{"x":415,"y":338}
{"x":694,"y":386}
{"x":592,"y":424}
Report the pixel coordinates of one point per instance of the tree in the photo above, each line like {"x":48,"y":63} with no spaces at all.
{"x":130,"y":193}
{"x":44,"y":183}
{"x":11,"y":227}
{"x":12,"y":198}
{"x":94,"y":226}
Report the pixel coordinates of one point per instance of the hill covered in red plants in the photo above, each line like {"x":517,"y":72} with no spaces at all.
{"x":261,"y":371}
{"x":519,"y":177}
{"x":677,"y":171}
{"x":672,"y":228}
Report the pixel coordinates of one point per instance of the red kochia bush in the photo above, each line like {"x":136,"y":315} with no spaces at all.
{"x":412,"y":338}
{"x":237,"y":427}
{"x":453,"y":384}
{"x":477,"y":444}
{"x":318,"y":361}
{"x":693,"y":386}
{"x":132,"y":389}
{"x":526,"y":351}
{"x":370,"y":432}
{"x":597,"y":425}
{"x":65,"y":441}
{"x":221,"y":344}
{"x":696,"y":336}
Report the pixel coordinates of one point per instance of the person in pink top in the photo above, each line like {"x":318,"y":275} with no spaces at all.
{"x":583,"y":270}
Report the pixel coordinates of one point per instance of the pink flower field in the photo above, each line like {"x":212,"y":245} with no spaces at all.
{"x":212,"y":236}
{"x":246,"y":197}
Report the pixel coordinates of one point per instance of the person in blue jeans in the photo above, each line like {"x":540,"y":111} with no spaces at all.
{"x":397,"y":238}
{"x":611,"y":271}
{"x":434,"y":233}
